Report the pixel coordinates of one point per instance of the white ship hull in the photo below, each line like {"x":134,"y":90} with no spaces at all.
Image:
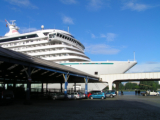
{"x":102,"y":67}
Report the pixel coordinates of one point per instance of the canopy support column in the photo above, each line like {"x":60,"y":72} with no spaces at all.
{"x":42,"y":87}
{"x":74,"y":87}
{"x":28,"y":72}
{"x":117,"y":87}
{"x":61,"y":86}
{"x":110,"y":85}
{"x":66,"y":77}
{"x":47,"y":88}
{"x":86,"y":79}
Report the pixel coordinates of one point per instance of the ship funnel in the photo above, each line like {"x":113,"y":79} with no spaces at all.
{"x":13,"y":29}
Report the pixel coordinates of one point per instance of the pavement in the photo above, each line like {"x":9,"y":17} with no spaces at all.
{"x":118,"y":108}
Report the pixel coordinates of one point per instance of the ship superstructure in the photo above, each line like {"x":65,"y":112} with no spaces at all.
{"x":61,"y":47}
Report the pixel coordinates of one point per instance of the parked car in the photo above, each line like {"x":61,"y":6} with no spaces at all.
{"x":83,"y":95}
{"x":110,"y":93}
{"x":95,"y":91}
{"x":70,"y":96}
{"x":89,"y":94}
{"x":100,"y":95}
{"x":76,"y":95}
{"x":6,"y":96}
{"x":54,"y":95}
{"x":57,"y":95}
{"x":149,"y":92}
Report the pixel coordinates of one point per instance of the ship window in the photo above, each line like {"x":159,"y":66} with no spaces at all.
{"x":96,"y":73}
{"x":45,"y":34}
{"x":50,"y":36}
{"x":23,"y":37}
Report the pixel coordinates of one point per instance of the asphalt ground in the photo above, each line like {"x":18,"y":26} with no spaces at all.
{"x":118,"y":108}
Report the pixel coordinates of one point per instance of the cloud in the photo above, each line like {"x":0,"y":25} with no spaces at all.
{"x":135,"y":6}
{"x":101,"y":49}
{"x":24,"y":29}
{"x":124,"y":46}
{"x":69,"y":1}
{"x":67,"y":20}
{"x":22,"y":3}
{"x":95,"y":4}
{"x":16,"y":9}
{"x":109,"y":36}
{"x":145,"y":67}
{"x":93,"y":36}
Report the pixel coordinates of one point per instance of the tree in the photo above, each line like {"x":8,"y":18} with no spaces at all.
{"x":149,"y":85}
{"x":137,"y":87}
{"x":121,"y":86}
{"x":130,"y":86}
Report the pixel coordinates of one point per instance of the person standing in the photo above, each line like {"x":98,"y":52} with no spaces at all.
{"x":121,"y":92}
{"x":138,"y":92}
{"x":135,"y":92}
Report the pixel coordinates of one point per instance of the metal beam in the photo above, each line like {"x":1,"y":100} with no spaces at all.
{"x":24,"y":69}
{"x":59,"y":75}
{"x":52,"y":74}
{"x":12,"y":67}
{"x":34,"y":71}
{"x":45,"y":72}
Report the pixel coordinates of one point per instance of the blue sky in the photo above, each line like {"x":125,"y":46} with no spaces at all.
{"x":109,"y":29}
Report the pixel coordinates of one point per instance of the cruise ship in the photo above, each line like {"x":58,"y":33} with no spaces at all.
{"x":61,"y":47}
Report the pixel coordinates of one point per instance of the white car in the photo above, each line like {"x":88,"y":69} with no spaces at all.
{"x":76,"y":95}
{"x":148,"y":92}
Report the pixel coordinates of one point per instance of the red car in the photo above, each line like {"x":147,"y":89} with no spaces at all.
{"x":89,"y":94}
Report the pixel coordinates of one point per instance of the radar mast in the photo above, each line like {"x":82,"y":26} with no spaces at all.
{"x":13,"y":29}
